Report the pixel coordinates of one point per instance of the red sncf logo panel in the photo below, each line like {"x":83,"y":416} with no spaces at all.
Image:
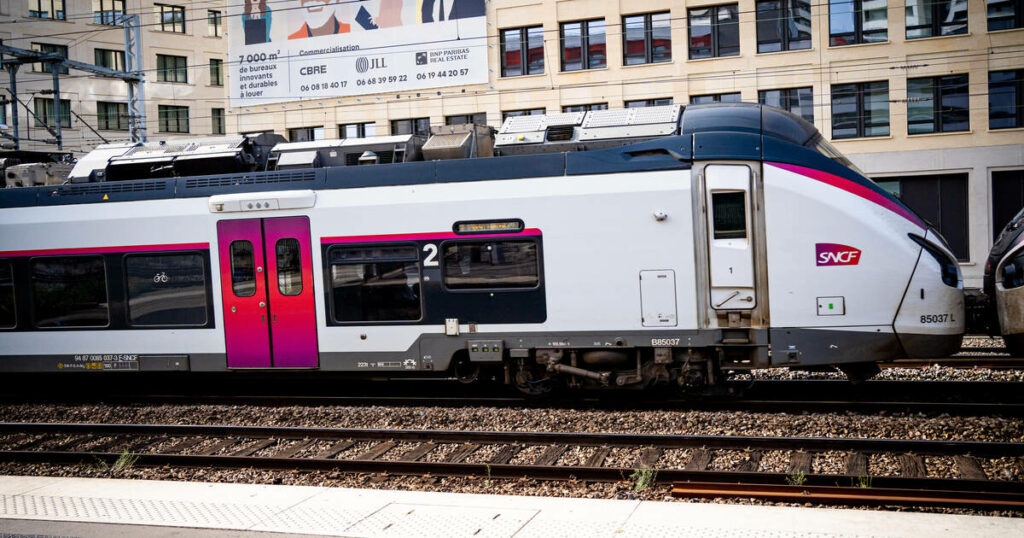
{"x":836,"y":254}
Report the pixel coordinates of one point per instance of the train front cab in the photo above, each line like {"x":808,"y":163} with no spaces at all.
{"x":1009,"y":297}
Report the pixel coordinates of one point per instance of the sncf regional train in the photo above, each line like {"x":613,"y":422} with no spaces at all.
{"x":1004,"y":285}
{"x":621,"y":248}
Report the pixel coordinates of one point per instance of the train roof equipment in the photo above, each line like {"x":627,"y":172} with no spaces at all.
{"x":346,"y":152}
{"x":581,"y":143}
{"x":173,"y":158}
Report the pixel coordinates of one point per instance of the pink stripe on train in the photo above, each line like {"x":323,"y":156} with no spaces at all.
{"x":104,"y":250}
{"x":436,"y":236}
{"x":851,"y":187}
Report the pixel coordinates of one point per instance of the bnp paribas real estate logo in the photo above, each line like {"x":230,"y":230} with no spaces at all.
{"x":421,"y":58}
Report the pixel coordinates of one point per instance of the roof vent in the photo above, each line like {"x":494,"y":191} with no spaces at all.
{"x":368,"y":157}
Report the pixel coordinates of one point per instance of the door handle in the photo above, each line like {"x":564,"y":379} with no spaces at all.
{"x":747,"y":299}
{"x":727,"y":299}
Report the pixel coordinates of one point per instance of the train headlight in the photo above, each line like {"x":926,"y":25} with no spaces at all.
{"x":1013,"y":272}
{"x":948,"y":266}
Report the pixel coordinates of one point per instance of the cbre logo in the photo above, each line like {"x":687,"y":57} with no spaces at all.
{"x":836,"y":254}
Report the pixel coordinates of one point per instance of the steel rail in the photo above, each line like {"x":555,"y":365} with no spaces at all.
{"x":33,"y":443}
{"x":817,"y":444}
{"x":586,"y":403}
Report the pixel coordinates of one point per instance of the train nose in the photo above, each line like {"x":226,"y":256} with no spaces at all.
{"x":931,"y":319}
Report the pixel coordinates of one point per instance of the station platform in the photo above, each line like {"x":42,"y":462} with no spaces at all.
{"x":54,"y":506}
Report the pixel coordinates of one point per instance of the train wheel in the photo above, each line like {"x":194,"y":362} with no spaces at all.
{"x":466,"y":372}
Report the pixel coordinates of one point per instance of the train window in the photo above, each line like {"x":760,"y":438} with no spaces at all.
{"x":289,"y":268}
{"x":8,"y":319}
{"x":491,"y":264}
{"x":375,"y":284}
{"x":730,"y":214}
{"x":166,"y":289}
{"x":243,"y":269}
{"x":69,"y":291}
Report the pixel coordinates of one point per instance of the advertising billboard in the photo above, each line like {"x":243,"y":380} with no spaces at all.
{"x":286,"y":50}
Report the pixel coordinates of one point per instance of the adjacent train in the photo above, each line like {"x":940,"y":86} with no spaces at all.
{"x":1004,"y":285}
{"x":621,"y":249}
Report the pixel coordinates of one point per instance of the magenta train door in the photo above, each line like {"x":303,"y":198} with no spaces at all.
{"x":267,"y":286}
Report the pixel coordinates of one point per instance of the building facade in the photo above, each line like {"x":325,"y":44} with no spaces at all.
{"x":183,"y":54}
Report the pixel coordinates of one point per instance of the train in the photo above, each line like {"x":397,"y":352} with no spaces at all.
{"x":1004,"y":285}
{"x":619,"y":249}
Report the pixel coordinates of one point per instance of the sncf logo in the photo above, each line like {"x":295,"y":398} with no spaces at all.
{"x":836,"y":254}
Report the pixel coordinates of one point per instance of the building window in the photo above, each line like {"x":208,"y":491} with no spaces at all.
{"x":799,"y":101}
{"x":860,"y":110}
{"x":491,"y":264}
{"x":177,"y":298}
{"x":46,"y":9}
{"x":1007,"y":198}
{"x":418,"y":126}
{"x":3,"y":114}
{"x":480,"y":118}
{"x":929,"y":18}
{"x":1005,"y":14}
{"x":1006,"y":99}
{"x":732,"y":97}
{"x":171,"y":68}
{"x":172,"y":18}
{"x":783,"y":25}
{"x":108,"y":12}
{"x":305,"y":134}
{"x":851,"y":22}
{"x":48,"y":48}
{"x":647,"y":38}
{"x":213,"y":23}
{"x":523,"y":112}
{"x":938,"y":104}
{"x":44,"y":110}
{"x":641,"y":103}
{"x":111,"y":59}
{"x":216,"y":72}
{"x":375,"y":283}
{"x":522,"y":51}
{"x":585,"y":108}
{"x":112,"y":116}
{"x":583,"y":45}
{"x":714,"y":31}
{"x":173,"y":119}
{"x":357,"y":130}
{"x":941,"y":200}
{"x":69,"y":291}
{"x":217,"y":121}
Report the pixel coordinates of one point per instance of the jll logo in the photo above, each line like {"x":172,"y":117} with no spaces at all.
{"x":836,"y":254}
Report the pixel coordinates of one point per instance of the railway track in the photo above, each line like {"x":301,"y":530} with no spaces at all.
{"x":546,"y":456}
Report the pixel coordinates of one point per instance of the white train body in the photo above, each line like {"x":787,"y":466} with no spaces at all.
{"x":611,"y":277}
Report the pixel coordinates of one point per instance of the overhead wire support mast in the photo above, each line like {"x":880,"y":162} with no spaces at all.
{"x":132,"y":75}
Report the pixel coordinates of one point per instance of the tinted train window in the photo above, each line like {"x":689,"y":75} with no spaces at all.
{"x":289,"y":267}
{"x":491,"y":264}
{"x":7,"y":313}
{"x":243,"y":269}
{"x":69,"y":292}
{"x":730,"y":214}
{"x":375,"y":284}
{"x":166,"y":289}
